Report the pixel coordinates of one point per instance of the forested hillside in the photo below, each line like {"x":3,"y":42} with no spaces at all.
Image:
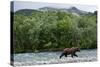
{"x":38,"y":30}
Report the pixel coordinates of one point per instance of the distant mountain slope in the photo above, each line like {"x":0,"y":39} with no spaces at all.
{"x":76,"y":10}
{"x":72,"y":10}
{"x":26,"y":11}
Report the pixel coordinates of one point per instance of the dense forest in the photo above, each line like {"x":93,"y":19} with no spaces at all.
{"x":51,"y":30}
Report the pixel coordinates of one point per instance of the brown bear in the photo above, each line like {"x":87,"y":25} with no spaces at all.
{"x":68,"y":51}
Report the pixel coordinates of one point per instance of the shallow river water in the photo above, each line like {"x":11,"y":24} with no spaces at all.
{"x":53,"y":58}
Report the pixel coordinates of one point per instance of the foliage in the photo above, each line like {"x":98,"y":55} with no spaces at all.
{"x":53,"y":30}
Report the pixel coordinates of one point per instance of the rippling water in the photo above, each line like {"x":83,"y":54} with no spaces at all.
{"x":53,"y":58}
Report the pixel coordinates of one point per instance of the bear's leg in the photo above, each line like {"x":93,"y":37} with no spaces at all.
{"x":62,"y":55}
{"x":72,"y":55}
{"x":66,"y":55}
{"x":75,"y":55}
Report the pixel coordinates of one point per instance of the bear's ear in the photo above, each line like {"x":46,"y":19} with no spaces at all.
{"x":77,"y":48}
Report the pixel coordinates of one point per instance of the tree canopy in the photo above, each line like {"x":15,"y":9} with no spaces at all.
{"x":53,"y":30}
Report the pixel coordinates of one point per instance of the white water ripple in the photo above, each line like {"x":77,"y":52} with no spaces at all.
{"x":53,"y":58}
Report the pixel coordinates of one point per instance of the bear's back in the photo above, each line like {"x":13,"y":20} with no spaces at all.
{"x":70,"y":50}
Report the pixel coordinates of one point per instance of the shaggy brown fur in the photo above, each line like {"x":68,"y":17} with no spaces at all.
{"x":68,"y":51}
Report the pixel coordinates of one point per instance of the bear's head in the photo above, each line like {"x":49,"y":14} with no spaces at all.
{"x":78,"y":49}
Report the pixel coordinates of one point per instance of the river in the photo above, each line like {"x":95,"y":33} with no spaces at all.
{"x":24,"y":59}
